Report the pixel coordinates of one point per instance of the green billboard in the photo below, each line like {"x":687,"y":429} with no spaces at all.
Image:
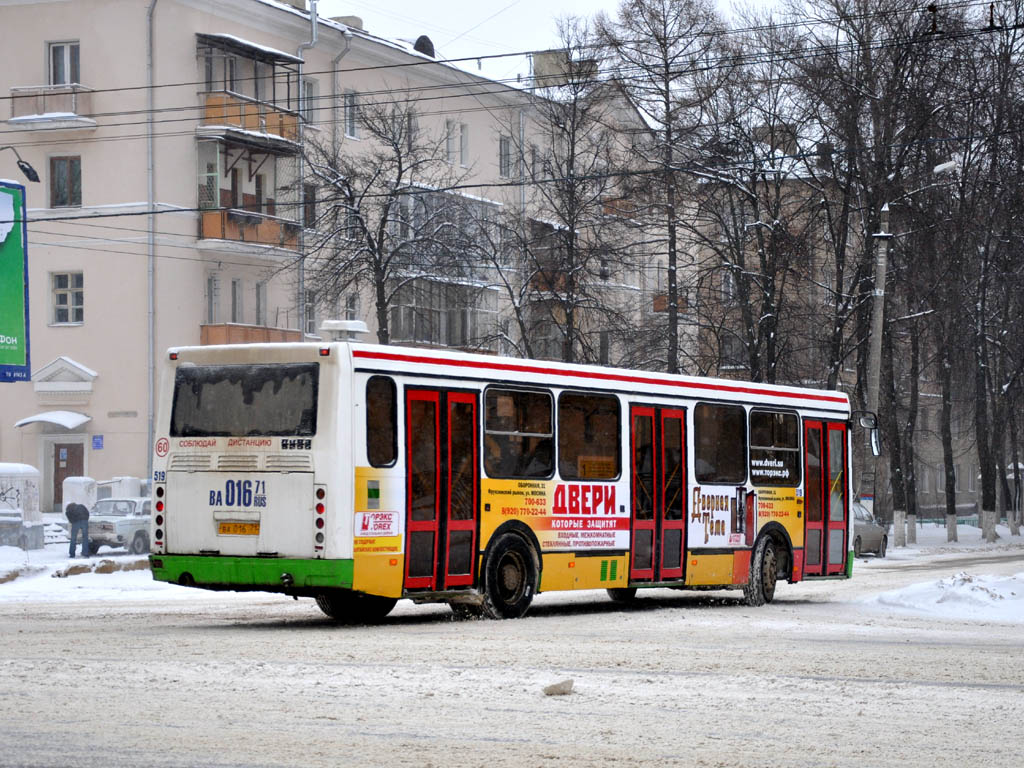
{"x":14,"y":354}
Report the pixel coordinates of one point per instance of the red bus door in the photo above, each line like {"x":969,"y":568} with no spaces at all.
{"x":442,"y":480}
{"x":658,"y":475}
{"x":826,"y":509}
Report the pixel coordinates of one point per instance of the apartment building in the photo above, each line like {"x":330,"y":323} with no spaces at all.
{"x":174,"y":209}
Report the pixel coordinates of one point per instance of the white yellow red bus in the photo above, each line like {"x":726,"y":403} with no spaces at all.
{"x":360,"y":474}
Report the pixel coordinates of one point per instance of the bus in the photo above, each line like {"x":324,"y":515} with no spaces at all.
{"x":359,"y":474}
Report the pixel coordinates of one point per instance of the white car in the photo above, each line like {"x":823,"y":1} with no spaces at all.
{"x":120,"y":523}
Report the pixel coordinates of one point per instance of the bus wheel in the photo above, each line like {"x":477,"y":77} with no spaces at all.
{"x":622,"y":594}
{"x":760,"y":589}
{"x":510,"y":578}
{"x":354,"y":607}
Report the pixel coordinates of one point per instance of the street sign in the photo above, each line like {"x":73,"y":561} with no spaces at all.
{"x":14,"y":346}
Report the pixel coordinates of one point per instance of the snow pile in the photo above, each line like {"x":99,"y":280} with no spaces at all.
{"x":961,"y":596}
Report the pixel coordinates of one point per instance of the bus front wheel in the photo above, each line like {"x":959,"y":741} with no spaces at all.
{"x":354,"y":607}
{"x":760,"y":588}
{"x":510,"y":578}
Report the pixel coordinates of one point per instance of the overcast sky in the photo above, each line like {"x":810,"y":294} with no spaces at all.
{"x":462,"y":28}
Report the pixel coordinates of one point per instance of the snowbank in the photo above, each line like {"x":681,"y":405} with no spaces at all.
{"x":962,"y":596}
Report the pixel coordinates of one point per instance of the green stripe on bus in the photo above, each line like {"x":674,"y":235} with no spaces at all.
{"x":251,"y":572}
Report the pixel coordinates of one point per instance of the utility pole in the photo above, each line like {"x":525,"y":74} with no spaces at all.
{"x":870,"y":472}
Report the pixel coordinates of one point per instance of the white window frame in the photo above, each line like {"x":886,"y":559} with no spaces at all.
{"x":310,"y":89}
{"x":69,"y":62}
{"x":261,"y":302}
{"x":352,"y":114}
{"x":449,"y":141}
{"x":237,"y":309}
{"x":464,"y":145}
{"x":212,"y":294}
{"x":68,"y":292}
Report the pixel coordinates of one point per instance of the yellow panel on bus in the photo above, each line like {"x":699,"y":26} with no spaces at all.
{"x":377,"y":525}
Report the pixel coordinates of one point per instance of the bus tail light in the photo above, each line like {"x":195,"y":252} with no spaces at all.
{"x":160,"y":506}
{"x":320,"y":509}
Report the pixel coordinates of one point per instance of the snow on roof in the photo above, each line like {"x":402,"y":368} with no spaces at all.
{"x":254,"y":48}
{"x":9,"y":469}
{"x":66,"y":419}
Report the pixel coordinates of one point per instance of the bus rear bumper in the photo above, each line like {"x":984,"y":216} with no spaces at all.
{"x":265,"y":574}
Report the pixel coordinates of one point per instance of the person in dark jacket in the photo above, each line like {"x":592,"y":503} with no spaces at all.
{"x":78,"y":516}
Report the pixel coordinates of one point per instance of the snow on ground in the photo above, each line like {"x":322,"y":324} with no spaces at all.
{"x":963,"y":595}
{"x":34,"y":576}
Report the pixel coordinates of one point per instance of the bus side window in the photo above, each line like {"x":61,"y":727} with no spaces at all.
{"x":518,"y":436}
{"x":721,"y":444}
{"x":381,"y":421}
{"x":774,"y":448}
{"x":588,"y":436}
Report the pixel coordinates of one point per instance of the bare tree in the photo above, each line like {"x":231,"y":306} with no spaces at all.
{"x":384,"y":219}
{"x":661,"y":47}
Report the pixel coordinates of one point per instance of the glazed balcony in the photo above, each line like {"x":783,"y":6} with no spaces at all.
{"x":51,"y":107}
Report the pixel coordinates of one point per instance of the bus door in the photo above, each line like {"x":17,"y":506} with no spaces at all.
{"x":442,"y":478}
{"x":658,"y":488}
{"x":827,"y":508}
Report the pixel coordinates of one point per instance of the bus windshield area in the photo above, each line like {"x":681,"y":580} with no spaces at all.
{"x":245,"y":400}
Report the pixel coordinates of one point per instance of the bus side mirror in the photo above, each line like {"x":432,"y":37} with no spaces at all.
{"x":869,"y":420}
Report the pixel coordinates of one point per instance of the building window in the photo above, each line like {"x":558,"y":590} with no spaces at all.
{"x":309,"y":105}
{"x":260,"y":183}
{"x":261,"y":303}
{"x":463,"y":145}
{"x":68,"y":297}
{"x":728,"y":285}
{"x":449,"y":141}
{"x":411,"y":128}
{"x":64,"y":63}
{"x":352,"y":306}
{"x":211,"y":299}
{"x":65,"y":182}
{"x":505,"y":157}
{"x":733,"y":352}
{"x":352,"y":114}
{"x":236,"y":187}
{"x":236,"y":301}
{"x":309,"y":206}
{"x":310,"y":323}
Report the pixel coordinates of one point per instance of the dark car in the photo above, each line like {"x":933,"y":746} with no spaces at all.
{"x":868,"y":534}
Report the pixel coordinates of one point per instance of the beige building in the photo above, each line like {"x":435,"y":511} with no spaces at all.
{"x":171,"y":208}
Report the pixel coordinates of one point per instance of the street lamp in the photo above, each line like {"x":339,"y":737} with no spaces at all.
{"x":28,"y":170}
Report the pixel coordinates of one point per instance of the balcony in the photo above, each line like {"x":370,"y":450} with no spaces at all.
{"x":53,"y":107}
{"x":236,"y":333}
{"x":249,"y":228}
{"x":249,"y":121}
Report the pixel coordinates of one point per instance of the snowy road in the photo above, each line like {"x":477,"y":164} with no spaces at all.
{"x":822,"y":677}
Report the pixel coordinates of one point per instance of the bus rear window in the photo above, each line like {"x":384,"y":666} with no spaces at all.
{"x":245,"y":400}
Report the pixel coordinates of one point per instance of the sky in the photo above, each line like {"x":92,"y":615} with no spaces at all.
{"x":465,"y":28}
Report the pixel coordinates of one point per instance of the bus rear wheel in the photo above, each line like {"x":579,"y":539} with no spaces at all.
{"x":510,"y":578}
{"x":622,"y":594}
{"x":764,"y":572}
{"x":354,"y":607}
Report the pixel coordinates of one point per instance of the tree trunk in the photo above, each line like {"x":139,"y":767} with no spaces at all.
{"x":899,"y":527}
{"x":946,"y":428}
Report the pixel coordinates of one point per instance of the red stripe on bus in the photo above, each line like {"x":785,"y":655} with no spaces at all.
{"x":399,"y":358}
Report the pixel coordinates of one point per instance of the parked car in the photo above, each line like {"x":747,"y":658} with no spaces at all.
{"x":120,"y":523}
{"x":868,"y":534}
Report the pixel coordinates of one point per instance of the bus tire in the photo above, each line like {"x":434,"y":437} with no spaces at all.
{"x":764,"y":573}
{"x":622,"y":594}
{"x":510,"y":578}
{"x":354,"y":607}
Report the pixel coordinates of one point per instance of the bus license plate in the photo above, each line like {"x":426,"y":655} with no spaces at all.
{"x":238,"y":529}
